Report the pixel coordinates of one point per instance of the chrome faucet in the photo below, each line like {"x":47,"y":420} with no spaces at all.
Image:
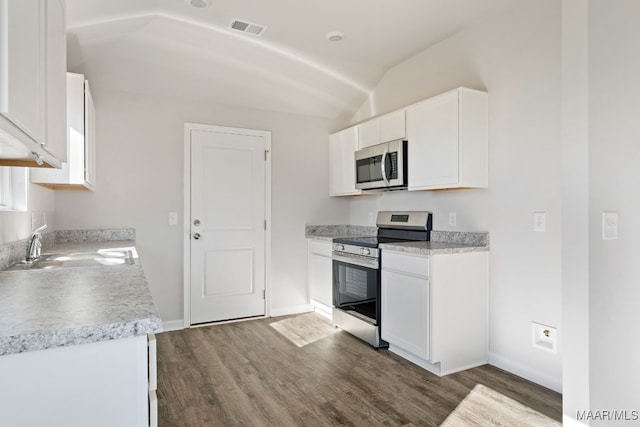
{"x":34,"y":249}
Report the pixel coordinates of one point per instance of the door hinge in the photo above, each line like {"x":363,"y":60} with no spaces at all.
{"x":265,"y":154}
{"x":264,"y":294}
{"x":265,"y":225}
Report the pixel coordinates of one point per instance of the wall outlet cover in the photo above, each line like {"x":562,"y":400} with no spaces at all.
{"x":453,"y":219}
{"x":609,"y":225}
{"x":539,"y":221}
{"x":544,"y":337}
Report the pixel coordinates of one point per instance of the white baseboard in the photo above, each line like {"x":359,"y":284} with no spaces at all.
{"x":526,"y":372}
{"x":172,"y":325}
{"x":285,"y":311}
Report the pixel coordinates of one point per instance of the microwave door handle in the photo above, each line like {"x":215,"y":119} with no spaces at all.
{"x":384,"y":167}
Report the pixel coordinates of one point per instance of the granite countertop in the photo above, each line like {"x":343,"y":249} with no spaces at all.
{"x":442,"y":242}
{"x":432,"y":248}
{"x":41,"y":309}
{"x":330,"y":232}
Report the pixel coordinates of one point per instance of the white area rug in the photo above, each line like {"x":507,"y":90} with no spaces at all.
{"x":305,"y":329}
{"x":485,"y":407}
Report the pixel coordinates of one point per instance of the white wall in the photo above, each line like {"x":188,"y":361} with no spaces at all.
{"x":614,"y":185}
{"x":140,"y":180}
{"x":16,"y":226}
{"x":515,"y":56}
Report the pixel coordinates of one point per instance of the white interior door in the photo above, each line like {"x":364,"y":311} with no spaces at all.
{"x":227,"y":223}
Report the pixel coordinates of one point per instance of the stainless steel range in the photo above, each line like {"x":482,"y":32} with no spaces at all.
{"x":356,"y":272}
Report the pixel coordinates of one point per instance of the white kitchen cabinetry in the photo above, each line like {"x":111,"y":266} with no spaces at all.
{"x":105,"y":383}
{"x":79,"y":171}
{"x":434,"y":309}
{"x":33,"y":52}
{"x":320,"y":275}
{"x":56,"y":79}
{"x":382,"y":129}
{"x":342,"y":178}
{"x":448,"y":143}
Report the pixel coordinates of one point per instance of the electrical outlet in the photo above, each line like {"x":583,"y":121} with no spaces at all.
{"x":539,"y":221}
{"x":544,"y":337}
{"x":173,"y":218}
{"x":372,"y":218}
{"x":609,"y":225}
{"x":453,"y":219}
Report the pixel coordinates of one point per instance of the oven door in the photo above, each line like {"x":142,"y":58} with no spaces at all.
{"x":356,"y":286}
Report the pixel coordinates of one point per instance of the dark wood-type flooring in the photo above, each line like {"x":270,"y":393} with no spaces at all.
{"x":247,"y":374}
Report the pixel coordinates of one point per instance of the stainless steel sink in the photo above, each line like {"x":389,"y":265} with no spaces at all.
{"x":102,"y":257}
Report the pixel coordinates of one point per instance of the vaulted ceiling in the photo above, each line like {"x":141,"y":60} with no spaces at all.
{"x":170,"y":48}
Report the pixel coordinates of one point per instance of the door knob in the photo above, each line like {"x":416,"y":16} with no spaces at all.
{"x":196,"y":236}
{"x":196,"y":222}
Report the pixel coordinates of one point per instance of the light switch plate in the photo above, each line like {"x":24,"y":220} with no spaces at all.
{"x":609,"y":225}
{"x":173,"y":218}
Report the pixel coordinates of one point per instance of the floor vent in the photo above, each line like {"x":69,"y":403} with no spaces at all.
{"x":247,"y":27}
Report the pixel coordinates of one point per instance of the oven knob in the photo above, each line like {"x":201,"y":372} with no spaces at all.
{"x":340,"y":247}
{"x":365,"y":251}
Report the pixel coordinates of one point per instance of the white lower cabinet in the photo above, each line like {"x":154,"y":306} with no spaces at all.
{"x":98,"y":384}
{"x":434,"y":309}
{"x":320,"y":275}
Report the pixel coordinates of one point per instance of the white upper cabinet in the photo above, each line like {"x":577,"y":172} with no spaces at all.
{"x":448,"y":143}
{"x":33,"y":52}
{"x":382,"y":129}
{"x":79,"y":171}
{"x":342,"y":146}
{"x":56,"y":81}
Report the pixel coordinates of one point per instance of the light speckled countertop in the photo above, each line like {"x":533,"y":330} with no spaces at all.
{"x":41,"y":309}
{"x":442,"y":242}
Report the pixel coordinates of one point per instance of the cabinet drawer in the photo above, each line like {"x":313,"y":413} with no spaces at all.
{"x":406,"y":263}
{"x":320,"y":247}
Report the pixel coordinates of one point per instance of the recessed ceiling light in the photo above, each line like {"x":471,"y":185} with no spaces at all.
{"x":200,"y":4}
{"x":335,"y":36}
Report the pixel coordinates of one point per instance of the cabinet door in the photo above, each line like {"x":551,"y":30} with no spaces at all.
{"x":433,"y":134}
{"x":392,"y":126}
{"x":56,"y":81}
{"x":342,"y":179}
{"x":369,"y":133}
{"x":22,"y":39}
{"x":405,"y":312}
{"x":320,"y":272}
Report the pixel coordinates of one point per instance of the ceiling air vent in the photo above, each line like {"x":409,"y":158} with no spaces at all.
{"x":247,"y":27}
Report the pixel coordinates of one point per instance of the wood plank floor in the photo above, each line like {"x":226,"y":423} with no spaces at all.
{"x":247,"y":374}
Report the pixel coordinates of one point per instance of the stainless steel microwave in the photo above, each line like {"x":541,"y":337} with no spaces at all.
{"x":382,"y":166}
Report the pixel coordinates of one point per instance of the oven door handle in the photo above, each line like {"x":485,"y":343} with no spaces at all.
{"x":357,"y":261}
